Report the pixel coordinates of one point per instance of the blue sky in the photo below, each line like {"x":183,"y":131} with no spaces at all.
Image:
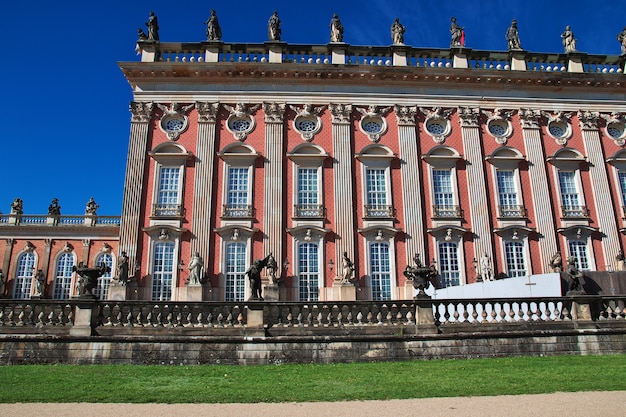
{"x":69,"y":101}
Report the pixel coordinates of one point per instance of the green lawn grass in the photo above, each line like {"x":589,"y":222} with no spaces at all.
{"x":284,"y":383}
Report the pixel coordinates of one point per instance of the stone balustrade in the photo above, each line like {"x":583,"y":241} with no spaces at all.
{"x":43,"y":219}
{"x":389,"y":56}
{"x":35,"y":315}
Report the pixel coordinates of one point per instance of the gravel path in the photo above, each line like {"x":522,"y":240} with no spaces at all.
{"x":583,"y":404}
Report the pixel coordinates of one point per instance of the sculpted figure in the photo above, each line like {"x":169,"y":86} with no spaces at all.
{"x":457,"y":33}
{"x":573,"y":275}
{"x":512,"y":36}
{"x":347,"y":269}
{"x":213,"y":30}
{"x":622,"y":40}
{"x":91,"y":207}
{"x":336,"y":29}
{"x":54,"y":209}
{"x":621,"y":261}
{"x":272,"y":267}
{"x":568,"y":40}
{"x":556,"y":263}
{"x":273,"y":27}
{"x":196,"y":268}
{"x":141,"y":35}
{"x":485,"y":268}
{"x":40,"y":283}
{"x":122,"y":268}
{"x":17,"y":206}
{"x":254,"y":274}
{"x":153,"y":27}
{"x":397,"y":32}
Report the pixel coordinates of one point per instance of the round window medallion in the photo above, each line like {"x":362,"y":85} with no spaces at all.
{"x":497,"y":129}
{"x":372,"y":126}
{"x":240,"y":124}
{"x":557,"y":129}
{"x":436,"y":127}
{"x":174,"y":124}
{"x":306,"y":125}
{"x":615,"y":130}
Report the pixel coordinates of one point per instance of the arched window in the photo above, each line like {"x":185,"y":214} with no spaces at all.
{"x":235,"y":284}
{"x":24,"y":276}
{"x":63,"y":277}
{"x":163,"y":271}
{"x":308,"y":272}
{"x":380,"y":271}
{"x":102,"y":290}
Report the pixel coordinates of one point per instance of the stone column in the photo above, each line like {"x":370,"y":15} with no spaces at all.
{"x":539,"y":187}
{"x":203,"y":181}
{"x":479,"y":207}
{"x":342,"y":178}
{"x":131,"y":206}
{"x":273,"y":213}
{"x":6,"y":263}
{"x":86,"y":247}
{"x":600,"y":186}
{"x":411,"y":183}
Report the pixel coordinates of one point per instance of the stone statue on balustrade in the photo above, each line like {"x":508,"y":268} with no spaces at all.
{"x":254,"y":275}
{"x":457,"y":33}
{"x":141,"y":35}
{"x":122,"y":269}
{"x":40,"y":283}
{"x":486,"y":272}
{"x":153,"y":27}
{"x":421,"y":276}
{"x":397,"y":32}
{"x":273,"y":27}
{"x":272,"y":267}
{"x":88,"y":278}
{"x":196,"y":270}
{"x":54,"y":209}
{"x":568,"y":40}
{"x":347,"y":270}
{"x":556,"y":262}
{"x":91,"y":207}
{"x":573,"y":277}
{"x":336,"y":29}
{"x":620,"y":261}
{"x":17,"y":207}
{"x":621,"y":38}
{"x":213,"y":29}
{"x":512,"y":37}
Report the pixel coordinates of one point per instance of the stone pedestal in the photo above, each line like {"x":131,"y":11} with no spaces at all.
{"x":82,"y":320}
{"x":212,"y":51}
{"x":344,"y":292}
{"x":271,"y":292}
{"x":459,"y":57}
{"x":580,"y":308}
{"x":399,"y":56}
{"x":575,"y":62}
{"x":275,"y":52}
{"x":338,"y":52}
{"x":117,"y":292}
{"x":191,"y":293}
{"x":518,"y":60}
{"x":254,"y":316}
{"x":424,"y":318}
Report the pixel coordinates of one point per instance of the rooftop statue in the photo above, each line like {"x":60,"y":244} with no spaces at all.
{"x":336,"y":29}
{"x":17,"y":206}
{"x":568,"y":40}
{"x":622,"y":40}
{"x":213,"y":30}
{"x":273,"y":27}
{"x":153,"y":27}
{"x":512,"y":37}
{"x":141,"y":35}
{"x":91,"y":207}
{"x":397,"y":32}
{"x":457,"y":33}
{"x":54,"y":209}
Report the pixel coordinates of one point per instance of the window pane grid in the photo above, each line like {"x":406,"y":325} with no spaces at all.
{"x":507,"y":192}
{"x":578,"y":249}
{"x":380,"y":270}
{"x":622,"y":184}
{"x":515,"y":259}
{"x":24,"y":277}
{"x":308,"y":272}
{"x":235,"y":272}
{"x":449,"y":264}
{"x":308,"y":191}
{"x":102,"y":289}
{"x":63,"y":277}
{"x":169,"y":181}
{"x":237,"y":194}
{"x":163,"y":271}
{"x":376,"y":187}
{"x":569,"y":192}
{"x":442,"y":187}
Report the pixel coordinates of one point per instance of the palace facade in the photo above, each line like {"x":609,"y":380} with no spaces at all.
{"x":346,"y":163}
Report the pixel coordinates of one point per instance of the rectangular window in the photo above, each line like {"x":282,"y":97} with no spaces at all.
{"x":308,"y":198}
{"x":308,"y":272}
{"x":622,"y":185}
{"x":570,"y":198}
{"x":235,"y":272}
{"x":380,"y":270}
{"x":515,"y":259}
{"x":508,"y":203}
{"x":449,"y":264}
{"x":163,"y":271}
{"x":168,"y":202}
{"x":579,"y":250}
{"x":376,"y":193}
{"x":24,"y":277}
{"x":443,"y":194}
{"x":237,"y":193}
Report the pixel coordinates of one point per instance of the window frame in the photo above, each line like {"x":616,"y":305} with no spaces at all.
{"x":63,"y":284}
{"x":24,"y":282}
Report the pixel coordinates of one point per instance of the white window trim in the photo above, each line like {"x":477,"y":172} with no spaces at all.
{"x":168,"y":155}
{"x":370,"y":238}
{"x":320,"y":267}
{"x":173,"y":237}
{"x":72,"y":278}
{"x":524,"y":240}
{"x":243,"y":235}
{"x":456,"y":236}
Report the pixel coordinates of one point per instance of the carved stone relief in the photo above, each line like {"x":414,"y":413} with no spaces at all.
{"x":437,"y":123}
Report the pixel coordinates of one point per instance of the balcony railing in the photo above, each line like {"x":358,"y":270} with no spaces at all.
{"x":574,"y":212}
{"x":379,"y":211}
{"x":447,"y":211}
{"x":309,"y":211}
{"x":167,"y":210}
{"x":512,"y":211}
{"x":237,"y":211}
{"x":447,"y":58}
{"x":53,"y":220}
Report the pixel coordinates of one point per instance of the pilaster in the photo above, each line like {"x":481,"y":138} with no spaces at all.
{"x":6,"y":263}
{"x":273,"y":212}
{"x":479,"y":207}
{"x":131,"y":205}
{"x":411,"y":182}
{"x":342,"y":179}
{"x":600,"y":186}
{"x":539,"y":186}
{"x":203,"y":180}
